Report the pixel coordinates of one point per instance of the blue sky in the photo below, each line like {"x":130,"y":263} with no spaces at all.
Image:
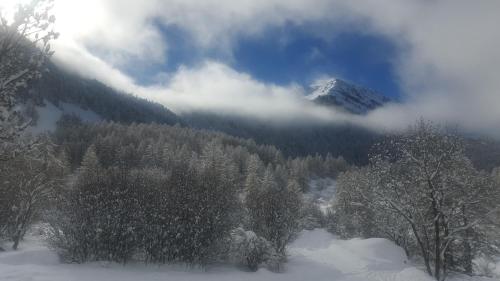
{"x":291,"y":54}
{"x":288,"y":54}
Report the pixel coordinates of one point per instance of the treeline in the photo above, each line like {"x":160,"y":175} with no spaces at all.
{"x":421,"y":191}
{"x":74,"y":138}
{"x":167,"y":194}
{"x":294,"y":139}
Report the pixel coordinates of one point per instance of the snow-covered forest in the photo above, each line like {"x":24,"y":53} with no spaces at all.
{"x":131,"y":199}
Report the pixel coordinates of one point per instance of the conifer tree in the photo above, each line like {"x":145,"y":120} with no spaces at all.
{"x":273,"y":209}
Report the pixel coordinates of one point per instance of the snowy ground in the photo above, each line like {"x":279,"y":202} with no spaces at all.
{"x":316,"y":255}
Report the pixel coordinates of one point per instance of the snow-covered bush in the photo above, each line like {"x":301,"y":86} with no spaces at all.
{"x":250,"y":250}
{"x":97,"y":216}
{"x":484,"y":266}
{"x":111,"y":213}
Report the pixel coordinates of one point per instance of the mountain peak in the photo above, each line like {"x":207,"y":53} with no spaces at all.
{"x":340,"y":93}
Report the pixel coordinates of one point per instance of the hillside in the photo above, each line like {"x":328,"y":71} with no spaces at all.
{"x":349,"y":141}
{"x":61,"y":88}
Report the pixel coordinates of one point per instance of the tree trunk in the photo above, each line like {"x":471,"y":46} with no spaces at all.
{"x":448,"y":261}
{"x":16,"y":238}
{"x":438,"y":263}
{"x":21,"y":227}
{"x":468,"y":256}
{"x":437,"y":248}
{"x":425,"y":254}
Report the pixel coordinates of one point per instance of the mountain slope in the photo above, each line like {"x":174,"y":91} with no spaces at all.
{"x":341,"y":94}
{"x":293,"y":139}
{"x":61,"y":88}
{"x":61,"y":92}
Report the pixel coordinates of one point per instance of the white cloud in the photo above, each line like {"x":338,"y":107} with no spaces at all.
{"x":448,"y":63}
{"x":211,"y":86}
{"x":117,"y":30}
{"x":450,"y":68}
{"x":120,"y":28}
{"x":216,"y":87}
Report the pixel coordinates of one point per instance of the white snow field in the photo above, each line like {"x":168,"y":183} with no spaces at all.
{"x":315,"y":256}
{"x":49,"y":114}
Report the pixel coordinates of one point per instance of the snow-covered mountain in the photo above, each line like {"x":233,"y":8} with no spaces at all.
{"x":339,"y":93}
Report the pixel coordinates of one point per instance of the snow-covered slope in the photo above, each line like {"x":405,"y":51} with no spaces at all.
{"x":339,"y":93}
{"x":315,"y":255}
{"x":49,"y":114}
{"x":64,"y":88}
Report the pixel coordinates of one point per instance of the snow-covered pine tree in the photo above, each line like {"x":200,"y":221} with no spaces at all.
{"x":190,"y":213}
{"x":352,"y":214}
{"x":273,"y":209}
{"x":299,"y":172}
{"x":311,"y":216}
{"x":156,"y":198}
{"x":214,"y":203}
{"x":254,"y":172}
{"x":74,"y":216}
